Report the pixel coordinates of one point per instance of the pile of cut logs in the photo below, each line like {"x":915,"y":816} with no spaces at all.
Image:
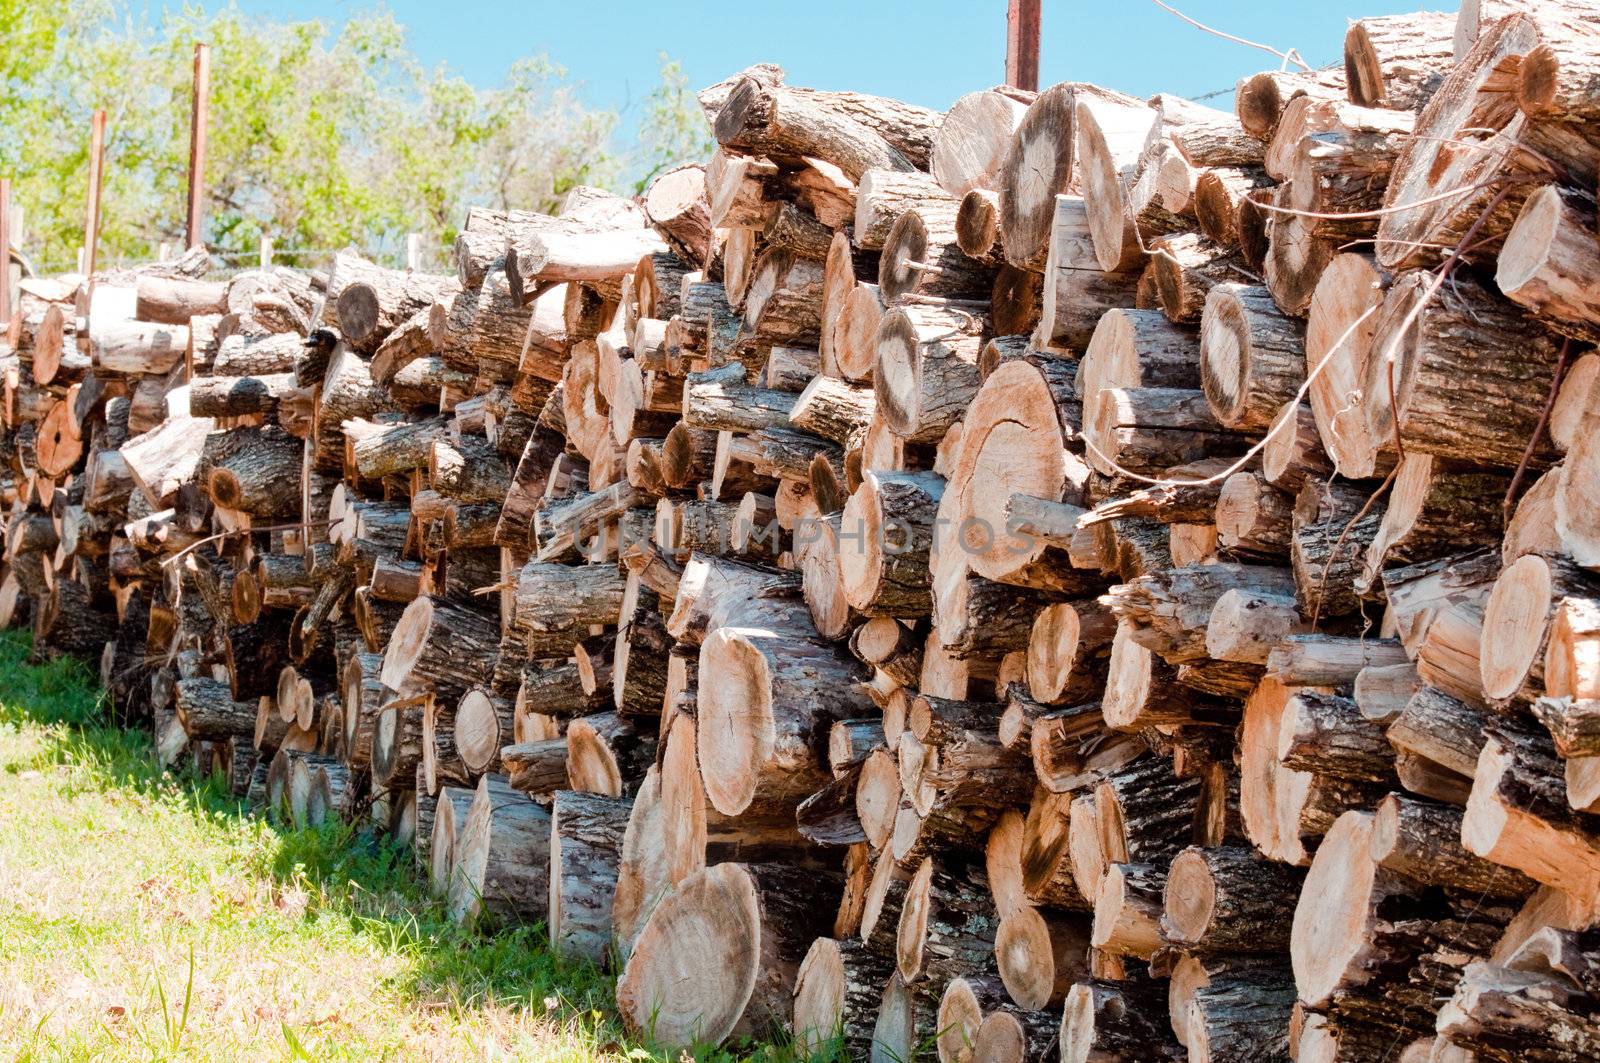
{"x":1071,"y":577}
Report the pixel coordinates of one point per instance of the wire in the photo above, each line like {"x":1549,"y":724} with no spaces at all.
{"x":1288,"y":416}
{"x":1291,"y":56}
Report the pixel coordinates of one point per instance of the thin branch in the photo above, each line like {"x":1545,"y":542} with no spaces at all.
{"x":1538,"y":431}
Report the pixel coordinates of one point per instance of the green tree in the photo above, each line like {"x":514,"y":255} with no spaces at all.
{"x":320,"y":137}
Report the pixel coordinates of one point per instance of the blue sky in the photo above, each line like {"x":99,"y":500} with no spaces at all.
{"x":929,"y":52}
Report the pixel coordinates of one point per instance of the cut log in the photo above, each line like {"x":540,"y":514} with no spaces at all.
{"x":1252,"y":356}
{"x":501,"y":856}
{"x":585,"y":847}
{"x":837,"y":995}
{"x":744,"y":930}
{"x":1040,"y":163}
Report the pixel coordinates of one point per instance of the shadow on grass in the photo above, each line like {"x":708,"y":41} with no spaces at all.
{"x":350,"y":872}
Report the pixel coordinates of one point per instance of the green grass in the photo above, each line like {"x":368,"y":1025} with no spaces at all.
{"x":147,"y":915}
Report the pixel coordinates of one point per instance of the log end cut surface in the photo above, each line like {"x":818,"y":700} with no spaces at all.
{"x":694,"y":966}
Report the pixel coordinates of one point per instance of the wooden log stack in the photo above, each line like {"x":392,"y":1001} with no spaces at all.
{"x":1071,"y":577}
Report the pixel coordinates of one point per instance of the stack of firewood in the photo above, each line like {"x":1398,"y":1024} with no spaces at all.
{"x":1071,"y":577}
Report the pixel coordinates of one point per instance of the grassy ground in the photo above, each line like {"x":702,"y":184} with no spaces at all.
{"x":146,"y":916}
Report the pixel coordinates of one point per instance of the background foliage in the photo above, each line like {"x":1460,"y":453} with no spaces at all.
{"x":320,"y":136}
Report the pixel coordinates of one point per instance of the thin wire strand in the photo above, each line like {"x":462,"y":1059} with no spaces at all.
{"x":1291,"y":56}
{"x":1286,"y":417}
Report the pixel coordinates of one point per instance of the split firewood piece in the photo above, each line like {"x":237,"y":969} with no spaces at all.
{"x":441,"y":762}
{"x":716,"y":592}
{"x":1145,"y":691}
{"x":853,"y":131}
{"x":1077,"y":292}
{"x":1574,"y":725}
{"x":1518,"y":814}
{"x":1227,"y":900}
{"x":501,"y":857}
{"x":161,"y":460}
{"x":1398,"y":61}
{"x":745,"y":929}
{"x":1534,"y":1014}
{"x":837,"y":996}
{"x":1188,"y":497}
{"x":831,"y":409}
{"x":585,"y":847}
{"x":1041,"y":162}
{"x":1121,"y":1020}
